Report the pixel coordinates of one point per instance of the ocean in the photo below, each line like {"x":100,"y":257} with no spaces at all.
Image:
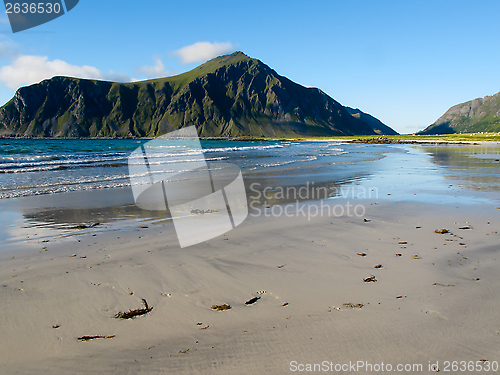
{"x":55,"y":185}
{"x":36,"y":166}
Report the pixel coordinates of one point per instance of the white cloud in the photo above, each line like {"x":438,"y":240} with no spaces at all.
{"x":203,"y":51}
{"x":29,"y":69}
{"x":156,"y":71}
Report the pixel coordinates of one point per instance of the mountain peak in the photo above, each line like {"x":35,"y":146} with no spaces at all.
{"x":231,"y":59}
{"x":235,"y":56}
{"x":238,"y":54}
{"x":232,"y":95}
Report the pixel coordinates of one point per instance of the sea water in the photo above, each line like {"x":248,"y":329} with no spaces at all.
{"x":56,"y":184}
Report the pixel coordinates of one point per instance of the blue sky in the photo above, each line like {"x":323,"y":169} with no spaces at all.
{"x":405,"y":62}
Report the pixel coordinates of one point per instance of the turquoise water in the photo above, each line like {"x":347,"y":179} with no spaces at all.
{"x":47,"y":167}
{"x":37,"y":167}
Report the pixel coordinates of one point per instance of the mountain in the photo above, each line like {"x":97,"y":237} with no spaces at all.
{"x":378,"y":126}
{"x":229,"y":96}
{"x":478,"y":115}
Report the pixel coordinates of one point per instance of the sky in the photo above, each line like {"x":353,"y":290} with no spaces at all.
{"x":404,"y":62}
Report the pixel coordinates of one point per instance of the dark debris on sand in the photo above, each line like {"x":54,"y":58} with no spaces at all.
{"x":86,"y":225}
{"x":222,"y":307}
{"x":353,"y":305}
{"x":88,"y":338}
{"x":252,"y":300}
{"x":441,"y":231}
{"x":370,"y":279}
{"x":133,"y":313}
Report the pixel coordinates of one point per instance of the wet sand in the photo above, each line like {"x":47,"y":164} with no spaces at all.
{"x":438,"y":301}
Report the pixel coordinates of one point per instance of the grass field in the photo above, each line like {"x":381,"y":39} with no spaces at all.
{"x":466,"y":137}
{"x":492,"y":137}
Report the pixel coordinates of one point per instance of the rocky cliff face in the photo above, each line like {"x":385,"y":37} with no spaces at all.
{"x":478,"y":115}
{"x":229,"y":96}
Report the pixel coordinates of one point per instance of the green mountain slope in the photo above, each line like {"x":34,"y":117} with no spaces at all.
{"x":378,"y":126}
{"x":478,"y":115}
{"x":229,"y":96}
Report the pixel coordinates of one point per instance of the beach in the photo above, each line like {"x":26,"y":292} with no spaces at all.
{"x":191,"y":188}
{"x":412,"y":281}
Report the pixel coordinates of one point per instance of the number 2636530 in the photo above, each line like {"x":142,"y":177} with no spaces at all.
{"x":470,"y":366}
{"x":17,"y":8}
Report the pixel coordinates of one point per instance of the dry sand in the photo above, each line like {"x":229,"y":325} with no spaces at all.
{"x":311,"y":266}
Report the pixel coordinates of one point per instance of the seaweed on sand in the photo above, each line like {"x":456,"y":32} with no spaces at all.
{"x":88,"y":338}
{"x":441,"y":231}
{"x":133,"y":313}
{"x":353,"y":305}
{"x":222,"y":307}
{"x":370,"y":279}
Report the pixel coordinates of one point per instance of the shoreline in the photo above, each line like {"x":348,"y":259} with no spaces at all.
{"x":116,"y":204}
{"x":375,"y":139}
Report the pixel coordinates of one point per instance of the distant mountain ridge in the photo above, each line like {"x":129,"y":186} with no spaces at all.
{"x":378,"y":126}
{"x":478,"y":115}
{"x":229,"y":96}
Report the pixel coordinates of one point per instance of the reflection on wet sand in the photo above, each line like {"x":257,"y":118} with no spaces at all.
{"x":85,"y":218}
{"x":259,"y":192}
{"x":476,"y":166}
